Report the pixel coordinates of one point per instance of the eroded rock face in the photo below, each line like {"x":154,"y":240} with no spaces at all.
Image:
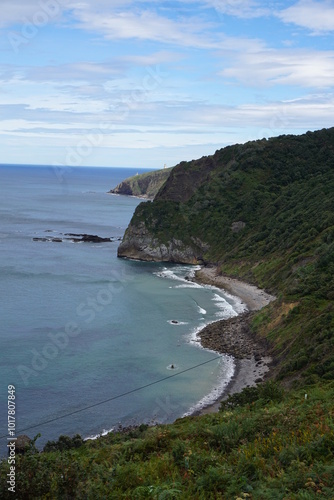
{"x":138,"y":243}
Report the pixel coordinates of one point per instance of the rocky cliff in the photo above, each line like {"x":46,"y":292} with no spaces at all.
{"x":143,"y":185}
{"x":140,"y":243}
{"x":156,"y":238}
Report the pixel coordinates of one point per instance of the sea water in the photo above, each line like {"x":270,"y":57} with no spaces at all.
{"x":90,"y":341}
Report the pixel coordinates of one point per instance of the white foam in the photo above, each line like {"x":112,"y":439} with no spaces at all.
{"x":227,"y":365}
{"x":227,"y":306}
{"x":96,"y":436}
{"x":170,"y":274}
{"x":172,"y":322}
{"x":188,"y":284}
{"x":193,"y":337}
{"x":193,"y":271}
{"x":225,"y":309}
{"x":172,"y":367}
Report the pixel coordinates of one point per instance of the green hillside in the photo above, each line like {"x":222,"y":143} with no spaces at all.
{"x":263,"y":212}
{"x":269,"y":446}
{"x":143,"y":185}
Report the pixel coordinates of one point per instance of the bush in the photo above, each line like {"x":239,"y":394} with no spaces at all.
{"x":268,"y":391}
{"x":245,"y":397}
{"x":271,"y":391}
{"x":64,"y":443}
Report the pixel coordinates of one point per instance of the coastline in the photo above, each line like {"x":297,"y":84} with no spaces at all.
{"x":234,"y":337}
{"x":254,"y":298}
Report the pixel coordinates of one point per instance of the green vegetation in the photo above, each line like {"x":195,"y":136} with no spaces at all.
{"x":264,"y":444}
{"x":281,"y":192}
{"x":145,"y":185}
{"x":265,"y":209}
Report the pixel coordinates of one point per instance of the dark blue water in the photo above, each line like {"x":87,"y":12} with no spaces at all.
{"x":80,"y":326}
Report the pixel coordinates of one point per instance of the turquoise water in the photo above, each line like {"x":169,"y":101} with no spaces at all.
{"x":80,"y":326}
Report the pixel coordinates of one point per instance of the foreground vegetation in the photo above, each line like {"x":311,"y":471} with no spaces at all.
{"x":264,"y":444}
{"x":275,"y":441}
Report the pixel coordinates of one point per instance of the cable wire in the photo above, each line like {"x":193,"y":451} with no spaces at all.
{"x":112,"y":398}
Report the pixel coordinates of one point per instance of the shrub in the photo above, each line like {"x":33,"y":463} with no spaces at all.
{"x":64,"y":443}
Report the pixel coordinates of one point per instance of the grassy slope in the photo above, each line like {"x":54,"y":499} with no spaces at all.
{"x":269,"y":446}
{"x":264,"y":444}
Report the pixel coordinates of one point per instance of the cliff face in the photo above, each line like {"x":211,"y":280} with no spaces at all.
{"x":186,"y":178}
{"x":143,"y":185}
{"x":140,"y":243}
{"x":156,"y":238}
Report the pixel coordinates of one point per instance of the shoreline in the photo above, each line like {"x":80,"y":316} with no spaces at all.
{"x":234,"y":337}
{"x":255,"y":298}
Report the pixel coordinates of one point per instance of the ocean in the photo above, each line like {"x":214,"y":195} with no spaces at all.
{"x":89,"y":341}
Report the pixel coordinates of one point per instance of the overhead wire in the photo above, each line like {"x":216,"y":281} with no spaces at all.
{"x":111,"y":398}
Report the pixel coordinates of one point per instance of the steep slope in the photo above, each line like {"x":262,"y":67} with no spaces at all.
{"x":269,"y":199}
{"x":143,"y":185}
{"x":264,"y":212}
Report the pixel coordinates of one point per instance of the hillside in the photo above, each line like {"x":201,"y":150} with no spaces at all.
{"x":143,"y":185}
{"x":263,"y":212}
{"x":263,"y":198}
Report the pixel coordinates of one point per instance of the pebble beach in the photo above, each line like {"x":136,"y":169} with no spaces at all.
{"x":234,"y":337}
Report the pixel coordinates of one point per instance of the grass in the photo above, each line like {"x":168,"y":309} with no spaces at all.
{"x":265,"y":443}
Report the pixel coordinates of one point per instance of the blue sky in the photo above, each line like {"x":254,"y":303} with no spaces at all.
{"x":147,"y":83}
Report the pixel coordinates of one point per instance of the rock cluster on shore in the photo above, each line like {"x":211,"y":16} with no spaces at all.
{"x":233,"y":336}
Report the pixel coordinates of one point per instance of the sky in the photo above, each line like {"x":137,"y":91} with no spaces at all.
{"x":148,"y":83}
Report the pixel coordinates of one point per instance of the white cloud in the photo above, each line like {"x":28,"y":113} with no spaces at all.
{"x":317,"y":16}
{"x":239,"y":8}
{"x":83,"y":71}
{"x":300,"y":67}
{"x":142,"y":20}
{"x":42,"y":12}
{"x":145,"y":25}
{"x":189,"y":131}
{"x":190,"y":121}
{"x":159,"y":57}
{"x":267,"y":119}
{"x":36,"y":12}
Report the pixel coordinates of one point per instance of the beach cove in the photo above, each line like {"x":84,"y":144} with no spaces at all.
{"x":233,"y":336}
